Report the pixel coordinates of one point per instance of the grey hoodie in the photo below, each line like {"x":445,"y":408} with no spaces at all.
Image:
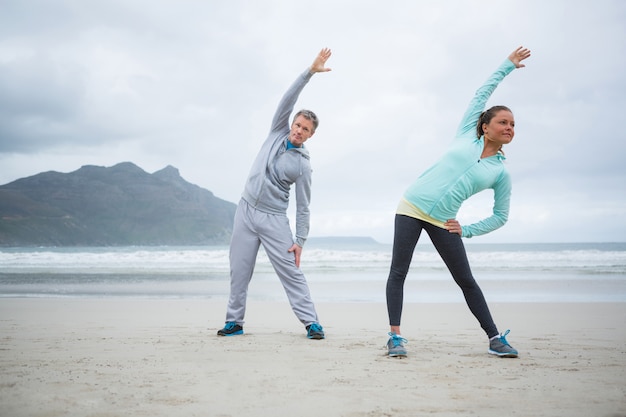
{"x":276,"y":168}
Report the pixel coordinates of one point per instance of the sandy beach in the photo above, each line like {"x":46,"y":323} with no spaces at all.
{"x":158,"y":357}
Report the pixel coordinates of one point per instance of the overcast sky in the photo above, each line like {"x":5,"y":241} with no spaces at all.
{"x":194,"y":84}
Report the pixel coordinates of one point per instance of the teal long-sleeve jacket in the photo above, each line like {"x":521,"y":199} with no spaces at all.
{"x":441,"y":190}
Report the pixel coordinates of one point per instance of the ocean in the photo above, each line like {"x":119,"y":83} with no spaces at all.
{"x":336,"y":270}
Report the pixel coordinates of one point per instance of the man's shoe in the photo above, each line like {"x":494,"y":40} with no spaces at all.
{"x":230,"y":329}
{"x":500,"y":347}
{"x":315,"y":331}
{"x":395,"y":344}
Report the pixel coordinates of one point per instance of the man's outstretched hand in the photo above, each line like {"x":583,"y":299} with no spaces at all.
{"x":320,"y":61}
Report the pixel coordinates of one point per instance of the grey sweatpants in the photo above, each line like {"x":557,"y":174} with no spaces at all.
{"x":251,"y":229}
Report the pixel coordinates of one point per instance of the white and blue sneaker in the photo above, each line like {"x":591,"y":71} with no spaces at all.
{"x":395,"y":345}
{"x":315,"y":331}
{"x":230,"y":329}
{"x":500,"y":347}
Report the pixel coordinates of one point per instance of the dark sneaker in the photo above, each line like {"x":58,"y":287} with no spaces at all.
{"x":315,"y":331}
{"x":395,"y":344}
{"x":500,"y":347}
{"x":230,"y":329}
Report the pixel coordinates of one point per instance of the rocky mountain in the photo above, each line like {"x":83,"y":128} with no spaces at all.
{"x":111,"y":206}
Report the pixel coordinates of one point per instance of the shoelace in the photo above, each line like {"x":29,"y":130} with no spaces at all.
{"x":315,"y":328}
{"x":397,"y":340}
{"x":503,"y":337}
{"x":230,"y":325}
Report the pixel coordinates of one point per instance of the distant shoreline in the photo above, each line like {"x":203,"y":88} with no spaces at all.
{"x":320,"y":241}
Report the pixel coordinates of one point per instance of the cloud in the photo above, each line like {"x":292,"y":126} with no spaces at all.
{"x":194,"y":84}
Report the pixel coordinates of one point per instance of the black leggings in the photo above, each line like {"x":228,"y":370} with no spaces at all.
{"x":451,"y":249}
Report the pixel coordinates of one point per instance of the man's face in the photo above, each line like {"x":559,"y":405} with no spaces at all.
{"x":301,"y":130}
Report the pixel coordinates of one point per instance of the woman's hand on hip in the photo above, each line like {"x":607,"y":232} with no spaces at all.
{"x":453,"y":226}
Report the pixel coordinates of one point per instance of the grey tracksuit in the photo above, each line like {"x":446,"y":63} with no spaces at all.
{"x":261,"y":216}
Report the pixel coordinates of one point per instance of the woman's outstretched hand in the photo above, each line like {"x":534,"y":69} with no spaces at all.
{"x":320,"y":61}
{"x":518,"y":55}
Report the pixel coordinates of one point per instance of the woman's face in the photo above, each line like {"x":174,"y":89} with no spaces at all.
{"x":501,"y":128}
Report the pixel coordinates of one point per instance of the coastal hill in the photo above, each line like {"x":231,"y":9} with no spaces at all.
{"x":111,"y":206}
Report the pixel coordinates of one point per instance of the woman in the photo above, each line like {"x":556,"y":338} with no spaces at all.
{"x":475,"y":162}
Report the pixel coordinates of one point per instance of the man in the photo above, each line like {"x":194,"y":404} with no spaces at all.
{"x":261,"y":217}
